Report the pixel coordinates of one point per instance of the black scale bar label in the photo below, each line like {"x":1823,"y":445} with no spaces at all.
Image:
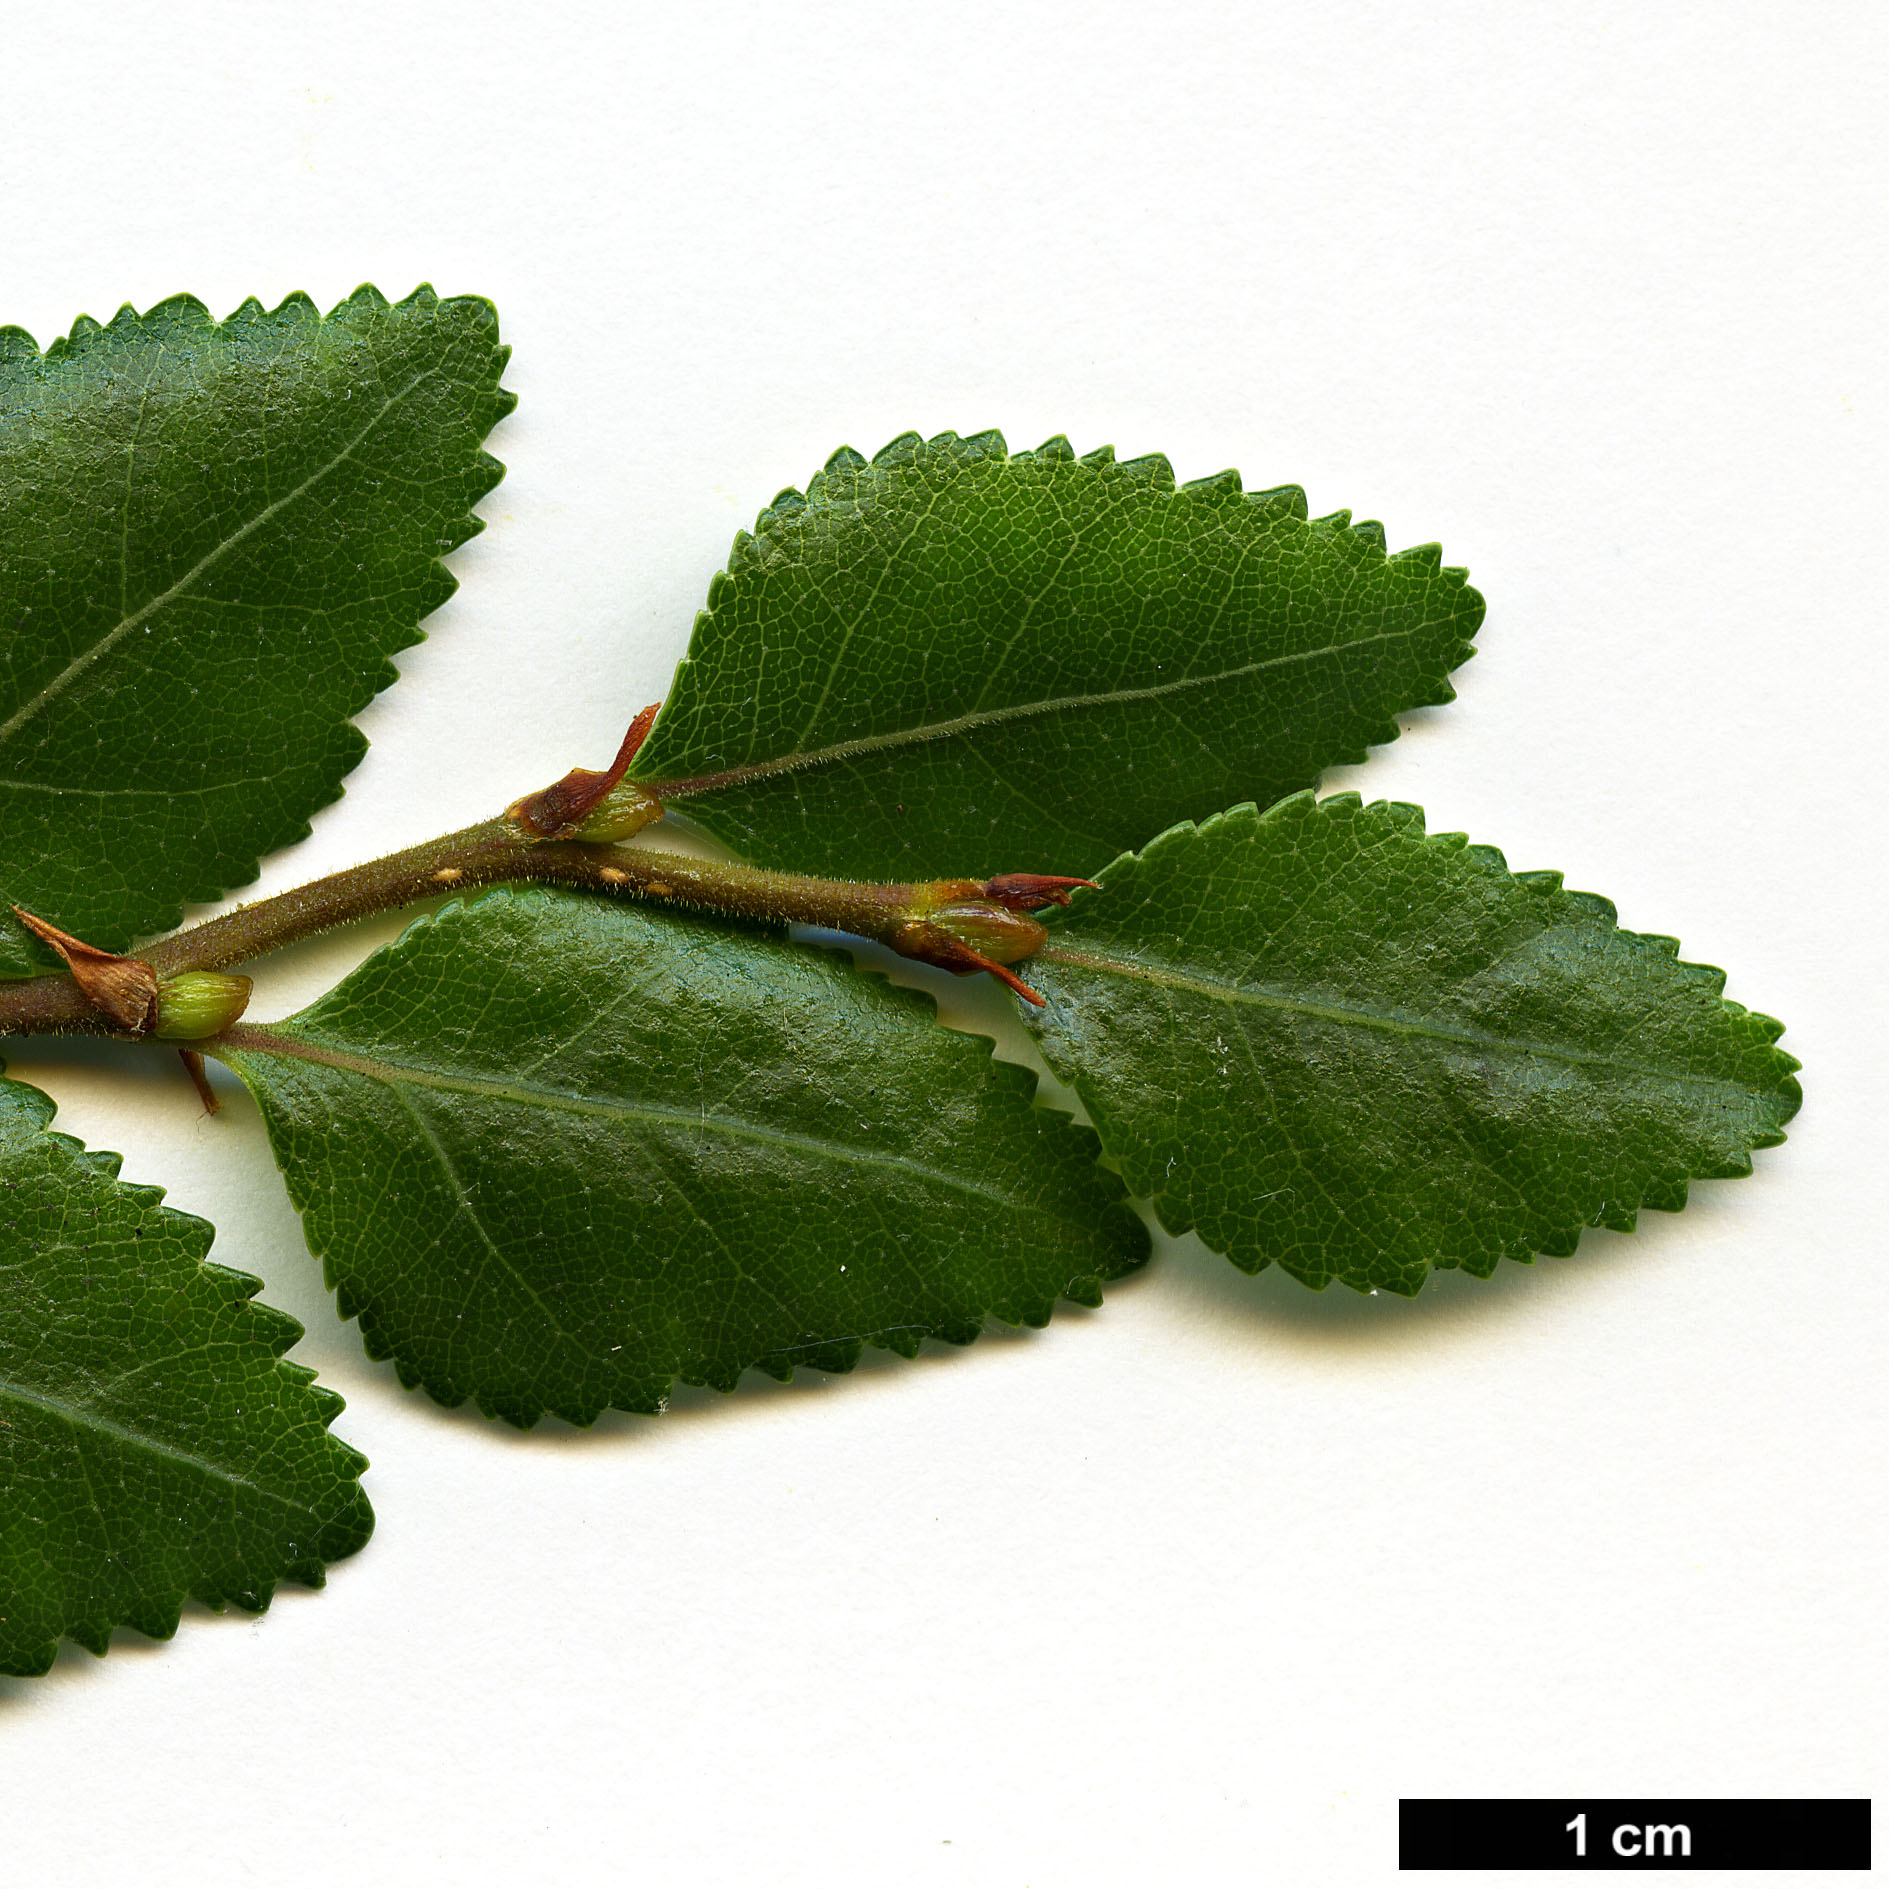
{"x":1633,"y":1833}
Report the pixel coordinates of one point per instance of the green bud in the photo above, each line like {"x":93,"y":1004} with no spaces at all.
{"x":624,"y":810}
{"x":194,"y":1004}
{"x":1004,"y":937}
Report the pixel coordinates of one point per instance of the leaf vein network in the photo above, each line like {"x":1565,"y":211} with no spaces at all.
{"x":1021,"y":711}
{"x":396,"y":1075}
{"x":1420,"y":1029}
{"x":126,"y":624}
{"x":82,"y":1420}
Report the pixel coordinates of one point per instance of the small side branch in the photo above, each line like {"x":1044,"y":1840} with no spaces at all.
{"x":962,"y":925}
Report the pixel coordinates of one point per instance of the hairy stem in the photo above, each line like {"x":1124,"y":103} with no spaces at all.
{"x":950,"y":922}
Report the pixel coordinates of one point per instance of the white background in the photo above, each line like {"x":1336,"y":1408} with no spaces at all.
{"x":1192,"y":1589}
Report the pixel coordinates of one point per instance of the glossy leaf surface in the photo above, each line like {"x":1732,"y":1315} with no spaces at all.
{"x":1324,"y":1039}
{"x":212,"y":539}
{"x":958,"y":660}
{"x":154,"y":1444}
{"x":557,"y":1153}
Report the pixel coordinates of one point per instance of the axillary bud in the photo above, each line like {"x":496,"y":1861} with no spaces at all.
{"x":624,"y":810}
{"x":196,"y":1004}
{"x":1003,"y":936}
{"x":587,"y":805}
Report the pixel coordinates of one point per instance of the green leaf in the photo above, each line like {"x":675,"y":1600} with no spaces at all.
{"x":212,"y":538}
{"x":558,"y":1152}
{"x":154,"y":1444}
{"x":1321,"y":1038}
{"x":959,"y":660}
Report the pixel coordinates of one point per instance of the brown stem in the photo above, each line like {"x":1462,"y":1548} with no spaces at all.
{"x":53,"y":1006}
{"x":494,"y":854}
{"x":957,"y":923}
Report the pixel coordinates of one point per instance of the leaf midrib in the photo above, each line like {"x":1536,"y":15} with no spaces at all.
{"x":1267,"y":997}
{"x":126,"y":624}
{"x":81,"y":1418}
{"x":981,"y":718}
{"x":248,"y":1037}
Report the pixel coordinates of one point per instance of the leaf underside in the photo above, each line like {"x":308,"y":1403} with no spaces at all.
{"x":213,"y":537}
{"x":557,"y":1153}
{"x":1321,"y":1038}
{"x":959,"y":659}
{"x":154,"y":1444}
